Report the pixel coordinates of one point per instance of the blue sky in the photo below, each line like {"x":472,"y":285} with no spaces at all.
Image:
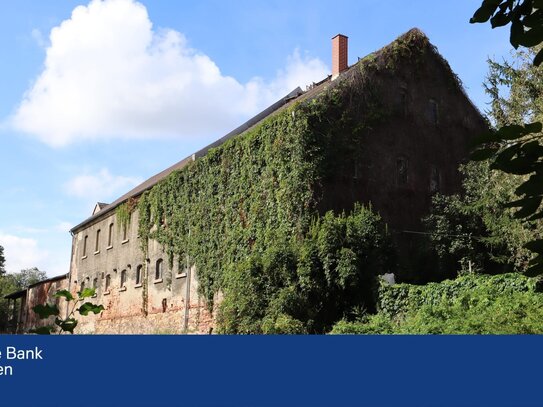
{"x":96,"y":97}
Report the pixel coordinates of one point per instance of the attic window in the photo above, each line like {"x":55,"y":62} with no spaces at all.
{"x":402,"y":164}
{"x":434,"y":112}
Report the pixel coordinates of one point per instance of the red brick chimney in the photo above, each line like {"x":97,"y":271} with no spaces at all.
{"x":339,"y":55}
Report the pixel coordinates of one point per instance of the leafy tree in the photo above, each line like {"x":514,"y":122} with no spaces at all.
{"x":307,"y":284}
{"x":28,"y":277}
{"x":2,"y":261}
{"x":68,"y":324}
{"x":515,"y":148}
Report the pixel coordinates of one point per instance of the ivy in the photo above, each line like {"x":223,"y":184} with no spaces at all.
{"x":254,"y":202}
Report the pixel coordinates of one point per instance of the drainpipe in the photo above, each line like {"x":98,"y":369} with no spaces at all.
{"x":187,"y":297}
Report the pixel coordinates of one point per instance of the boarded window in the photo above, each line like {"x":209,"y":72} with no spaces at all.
{"x":125,"y":232}
{"x":95,"y":283}
{"x":108,"y":282}
{"x":401,"y":170}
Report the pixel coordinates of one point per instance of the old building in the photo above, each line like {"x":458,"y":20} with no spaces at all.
{"x":390,"y":131}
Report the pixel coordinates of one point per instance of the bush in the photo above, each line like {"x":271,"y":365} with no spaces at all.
{"x":471,"y":304}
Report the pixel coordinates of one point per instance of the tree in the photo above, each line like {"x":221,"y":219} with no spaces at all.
{"x":12,"y":282}
{"x":515,"y":148}
{"x":28,"y":277}
{"x":2,"y":261}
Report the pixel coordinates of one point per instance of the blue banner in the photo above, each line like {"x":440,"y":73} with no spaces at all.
{"x":270,"y":371}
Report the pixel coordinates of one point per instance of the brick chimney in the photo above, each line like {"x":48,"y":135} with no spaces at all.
{"x":339,"y":55}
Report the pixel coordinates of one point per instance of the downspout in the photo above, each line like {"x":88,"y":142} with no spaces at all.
{"x":187,"y":297}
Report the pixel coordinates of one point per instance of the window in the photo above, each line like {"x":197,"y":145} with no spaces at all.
{"x":158,"y":270}
{"x":435,"y":180}
{"x":123,"y":278}
{"x":97,"y":247}
{"x":110,"y":236}
{"x":125,"y":232}
{"x":138,"y":274}
{"x":95,"y":283}
{"x":401,"y":170}
{"x":404,"y":102}
{"x":85,"y":246}
{"x":108,"y":282}
{"x":434,"y":112}
{"x":82,"y":286}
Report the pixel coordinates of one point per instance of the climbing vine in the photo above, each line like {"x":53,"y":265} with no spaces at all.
{"x":261,"y":193}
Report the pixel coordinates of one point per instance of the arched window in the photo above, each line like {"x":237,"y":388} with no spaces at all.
{"x":402,"y":164}
{"x":108,"y":281}
{"x":159,"y":269}
{"x":110,"y":235}
{"x":85,"y":245}
{"x":97,"y":247}
{"x":139,"y":270}
{"x":82,"y":286}
{"x":95,"y":283}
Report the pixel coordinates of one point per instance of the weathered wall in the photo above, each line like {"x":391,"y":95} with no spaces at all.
{"x":40,"y":294}
{"x":165,"y":305}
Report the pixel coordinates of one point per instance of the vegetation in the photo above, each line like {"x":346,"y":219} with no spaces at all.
{"x":515,"y":147}
{"x":247,"y":213}
{"x":69,"y":323}
{"x":471,"y":304}
{"x":2,"y":261}
{"x":13,"y":282}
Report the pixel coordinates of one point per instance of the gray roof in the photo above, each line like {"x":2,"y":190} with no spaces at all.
{"x":138,"y":190}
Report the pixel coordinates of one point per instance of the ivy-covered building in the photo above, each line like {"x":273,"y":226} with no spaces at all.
{"x":388,"y":131}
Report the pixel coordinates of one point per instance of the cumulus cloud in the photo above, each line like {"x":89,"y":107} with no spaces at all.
{"x":108,"y":73}
{"x":102,"y":185}
{"x":22,"y":253}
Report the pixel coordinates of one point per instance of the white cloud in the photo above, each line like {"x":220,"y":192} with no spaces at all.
{"x":22,"y":253}
{"x":109,"y":74}
{"x":99,"y":186}
{"x":63,"y":226}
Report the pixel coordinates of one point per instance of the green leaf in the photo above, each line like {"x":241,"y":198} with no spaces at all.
{"x":511,"y":132}
{"x":533,"y":186}
{"x":518,"y":166}
{"x":86,"y":293}
{"x":538,"y":58}
{"x":483,"y":13}
{"x":67,"y":325}
{"x":517,"y":32}
{"x":532,"y":37}
{"x":529,"y":207}
{"x":64,"y":293}
{"x":90,"y":307}
{"x":487,"y":137}
{"x":483,"y":154}
{"x":535,"y":246}
{"x":536,"y":267}
{"x":42,"y":330}
{"x":45,"y":311}
{"x":500,"y":19}
{"x":534,"y":127}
